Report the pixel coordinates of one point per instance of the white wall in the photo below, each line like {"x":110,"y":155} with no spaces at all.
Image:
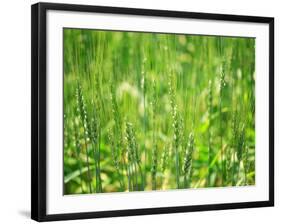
{"x":15,"y":109}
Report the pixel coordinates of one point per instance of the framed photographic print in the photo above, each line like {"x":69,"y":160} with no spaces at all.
{"x":139,"y":111}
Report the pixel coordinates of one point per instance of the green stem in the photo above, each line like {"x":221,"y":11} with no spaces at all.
{"x":177,"y":168}
{"x":88,"y":168}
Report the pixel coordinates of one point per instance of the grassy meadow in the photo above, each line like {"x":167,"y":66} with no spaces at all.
{"x":150,"y":111}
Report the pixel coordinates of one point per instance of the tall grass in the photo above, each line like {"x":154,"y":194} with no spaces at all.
{"x":176,"y":127}
{"x":82,"y":113}
{"x":147,"y":111}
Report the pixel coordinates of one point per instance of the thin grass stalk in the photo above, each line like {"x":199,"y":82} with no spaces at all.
{"x":99,"y":167}
{"x":98,"y":110}
{"x":187,"y":168}
{"x":143,"y":85}
{"x":222,"y":85}
{"x":82,"y":111}
{"x":133,"y":157}
{"x":210,"y":112}
{"x":94,"y":139}
{"x":234,"y":145}
{"x":154,"y":142}
{"x":176,"y":127}
{"x":118,"y":132}
{"x":95,"y":131}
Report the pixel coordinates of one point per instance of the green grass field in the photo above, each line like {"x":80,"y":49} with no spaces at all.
{"x":149,"y":111}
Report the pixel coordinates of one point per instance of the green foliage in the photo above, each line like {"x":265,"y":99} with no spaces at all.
{"x":147,"y":111}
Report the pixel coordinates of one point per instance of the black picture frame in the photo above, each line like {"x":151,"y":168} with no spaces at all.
{"x":38,"y":108}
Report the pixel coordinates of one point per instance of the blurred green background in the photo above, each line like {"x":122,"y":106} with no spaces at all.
{"x":150,"y":111}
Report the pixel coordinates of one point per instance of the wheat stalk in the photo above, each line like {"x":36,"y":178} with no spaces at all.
{"x":187,"y":167}
{"x":176,"y":127}
{"x":82,"y":112}
{"x":133,"y":156}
